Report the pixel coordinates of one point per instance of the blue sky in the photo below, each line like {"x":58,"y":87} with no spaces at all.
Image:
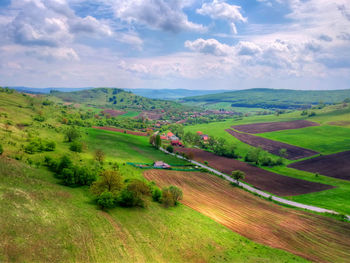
{"x":204,"y":44}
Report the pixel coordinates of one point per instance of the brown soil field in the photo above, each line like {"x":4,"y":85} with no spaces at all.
{"x":335,"y":165}
{"x":273,"y":126}
{"x":114,"y":113}
{"x":314,"y":237}
{"x":264,"y":180}
{"x":293,"y":152}
{"x":121,"y":130}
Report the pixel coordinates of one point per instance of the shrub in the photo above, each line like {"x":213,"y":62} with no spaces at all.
{"x":99,"y":156}
{"x":38,"y":145}
{"x":167,"y":198}
{"x":177,"y":193}
{"x":50,"y":146}
{"x":106,"y":200}
{"x":110,"y":181}
{"x":170,"y":148}
{"x":39,"y":118}
{"x":127,"y":198}
{"x":1,"y":149}
{"x":76,"y":147}
{"x":156,"y":194}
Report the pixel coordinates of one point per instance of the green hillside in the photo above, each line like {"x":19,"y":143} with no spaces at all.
{"x":272,"y":98}
{"x":112,"y":98}
{"x":44,"y":221}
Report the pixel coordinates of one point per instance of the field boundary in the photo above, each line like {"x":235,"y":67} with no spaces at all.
{"x":259,"y":192}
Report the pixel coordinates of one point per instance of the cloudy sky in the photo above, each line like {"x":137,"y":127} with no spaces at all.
{"x":194,"y":44}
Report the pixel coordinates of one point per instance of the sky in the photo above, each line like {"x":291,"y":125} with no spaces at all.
{"x":169,"y":44}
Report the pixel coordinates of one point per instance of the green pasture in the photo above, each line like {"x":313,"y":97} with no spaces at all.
{"x":325,"y":139}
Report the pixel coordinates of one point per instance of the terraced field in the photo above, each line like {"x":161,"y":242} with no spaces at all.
{"x":316,"y":238}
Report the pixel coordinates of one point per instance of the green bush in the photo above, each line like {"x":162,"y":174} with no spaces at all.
{"x":156,"y":194}
{"x":106,"y":200}
{"x":1,"y":149}
{"x":170,"y":148}
{"x":39,"y":145}
{"x":76,"y":147}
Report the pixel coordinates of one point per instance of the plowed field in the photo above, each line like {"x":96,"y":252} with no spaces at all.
{"x":314,"y":237}
{"x":273,"y":126}
{"x":274,"y":147}
{"x":335,"y":165}
{"x":261,"y":179}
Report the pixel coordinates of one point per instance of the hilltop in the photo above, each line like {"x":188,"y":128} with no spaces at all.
{"x":271,"y":98}
{"x":112,"y":98}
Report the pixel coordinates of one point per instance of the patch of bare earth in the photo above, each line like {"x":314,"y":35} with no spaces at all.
{"x":274,"y":147}
{"x":121,"y":130}
{"x":259,"y":178}
{"x":335,"y":165}
{"x":313,"y":237}
{"x":273,"y":126}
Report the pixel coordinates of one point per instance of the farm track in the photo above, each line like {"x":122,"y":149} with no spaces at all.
{"x":335,"y":165}
{"x":273,"y":126}
{"x":274,"y":147}
{"x":314,"y":237}
{"x":261,"y":179}
{"x":120,"y":130}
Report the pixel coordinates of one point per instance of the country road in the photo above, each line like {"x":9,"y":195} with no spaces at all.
{"x":259,"y":192}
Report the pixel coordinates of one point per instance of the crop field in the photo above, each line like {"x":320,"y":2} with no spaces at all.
{"x":273,"y":146}
{"x":325,"y":139}
{"x":259,"y":178}
{"x":316,"y":238}
{"x":273,"y":126}
{"x":335,"y":165}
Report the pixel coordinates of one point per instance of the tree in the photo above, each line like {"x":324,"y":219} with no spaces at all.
{"x":72,"y":134}
{"x":158,"y":141}
{"x":99,"y":156}
{"x":238,"y":175}
{"x":177,"y":193}
{"x":110,"y":181}
{"x":167,"y":198}
{"x":76,"y":147}
{"x":283,"y":152}
{"x":156,"y":194}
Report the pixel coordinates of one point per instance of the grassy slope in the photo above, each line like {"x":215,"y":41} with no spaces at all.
{"x":45,"y":221}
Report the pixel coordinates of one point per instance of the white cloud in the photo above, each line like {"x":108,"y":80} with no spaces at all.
{"x":209,"y":46}
{"x":155,"y":14}
{"x":224,"y":11}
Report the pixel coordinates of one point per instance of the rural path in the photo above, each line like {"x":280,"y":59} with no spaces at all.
{"x":259,"y":192}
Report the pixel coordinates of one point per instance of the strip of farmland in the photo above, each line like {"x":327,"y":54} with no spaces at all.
{"x":264,"y":180}
{"x":274,"y":147}
{"x":273,"y":126}
{"x":335,"y":165}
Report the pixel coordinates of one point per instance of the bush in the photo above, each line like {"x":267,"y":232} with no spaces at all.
{"x":107,"y":200}
{"x":170,"y":149}
{"x":1,"y":149}
{"x":156,"y":195}
{"x":39,"y":118}
{"x":76,"y":147}
{"x":110,"y":181}
{"x":135,"y":194}
{"x":38,"y":145}
{"x":171,"y":196}
{"x":72,"y":134}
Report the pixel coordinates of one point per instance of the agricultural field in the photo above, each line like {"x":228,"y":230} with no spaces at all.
{"x":316,"y":238}
{"x":335,"y":165}
{"x":273,"y":146}
{"x":325,"y":139}
{"x":259,"y":178}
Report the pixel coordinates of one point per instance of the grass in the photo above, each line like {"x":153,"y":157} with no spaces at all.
{"x":325,"y":139}
{"x":45,"y":222}
{"x":130,"y":114}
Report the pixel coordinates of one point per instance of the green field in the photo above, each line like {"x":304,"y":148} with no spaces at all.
{"x":324,"y":139}
{"x":47,"y":222}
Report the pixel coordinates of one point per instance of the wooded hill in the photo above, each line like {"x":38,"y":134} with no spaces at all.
{"x":273,"y":98}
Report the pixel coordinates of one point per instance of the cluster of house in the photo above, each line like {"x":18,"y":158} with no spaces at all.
{"x":204,"y":137}
{"x":174,"y":140}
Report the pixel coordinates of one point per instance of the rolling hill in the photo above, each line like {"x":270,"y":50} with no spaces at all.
{"x":272,"y":98}
{"x":112,"y":98}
